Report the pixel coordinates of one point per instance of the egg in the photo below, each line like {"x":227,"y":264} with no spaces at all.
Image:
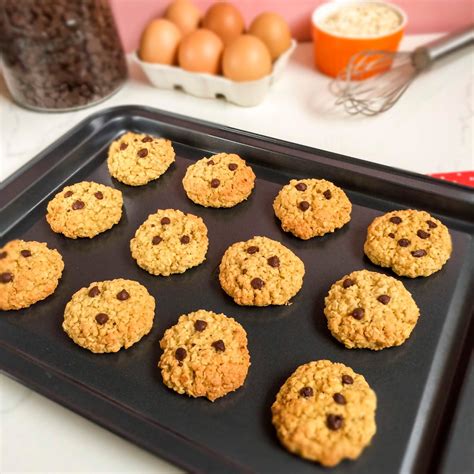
{"x":273,"y":30}
{"x":184,"y":14}
{"x":225,"y":20}
{"x":201,"y":51}
{"x":246,"y":59}
{"x":159,"y":42}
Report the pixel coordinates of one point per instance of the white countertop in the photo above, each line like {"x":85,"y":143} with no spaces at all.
{"x":430,"y":130}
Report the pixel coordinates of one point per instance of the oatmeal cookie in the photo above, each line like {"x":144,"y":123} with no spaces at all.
{"x":412,"y":243}
{"x":204,"y":355}
{"x":311,"y":207}
{"x":29,"y":272}
{"x":222,"y":180}
{"x":325,"y":412}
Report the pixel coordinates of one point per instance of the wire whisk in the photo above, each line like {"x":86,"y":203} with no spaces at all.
{"x":374,"y":81}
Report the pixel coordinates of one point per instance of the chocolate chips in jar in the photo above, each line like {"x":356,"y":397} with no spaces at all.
{"x":60,"y":54}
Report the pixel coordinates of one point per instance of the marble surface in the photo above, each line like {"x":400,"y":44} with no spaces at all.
{"x":429,"y":130}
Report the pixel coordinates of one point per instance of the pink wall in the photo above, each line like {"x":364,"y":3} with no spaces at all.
{"x":424,"y":15}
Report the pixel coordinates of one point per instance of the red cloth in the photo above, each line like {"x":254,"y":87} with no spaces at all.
{"x":461,"y":177}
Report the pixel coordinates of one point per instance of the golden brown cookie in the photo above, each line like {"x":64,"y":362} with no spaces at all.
{"x":109,"y":315}
{"x":325,"y":412}
{"x":260,"y":272}
{"x":170,"y":241}
{"x":311,"y":207}
{"x":84,"y":209}
{"x":29,"y":272}
{"x":204,"y":355}
{"x":222,"y":180}
{"x":412,"y":243}
{"x":370,"y":310}
{"x":136,"y":159}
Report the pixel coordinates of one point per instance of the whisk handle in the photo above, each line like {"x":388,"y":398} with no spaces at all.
{"x":424,"y":56}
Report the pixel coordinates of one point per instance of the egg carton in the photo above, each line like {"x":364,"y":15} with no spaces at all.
{"x":245,"y":94}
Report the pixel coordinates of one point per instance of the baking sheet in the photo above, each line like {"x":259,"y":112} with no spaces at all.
{"x":124,"y":392}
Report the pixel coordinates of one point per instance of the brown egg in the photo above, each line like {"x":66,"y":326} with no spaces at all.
{"x":273,"y":30}
{"x":184,"y":14}
{"x":159,"y":42}
{"x":201,"y":51}
{"x":225,"y":20}
{"x":246,"y":59}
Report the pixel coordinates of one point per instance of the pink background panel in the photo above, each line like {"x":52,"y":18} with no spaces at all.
{"x":425,"y":16}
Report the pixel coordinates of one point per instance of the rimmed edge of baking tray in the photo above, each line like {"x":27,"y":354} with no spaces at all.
{"x":19,"y":193}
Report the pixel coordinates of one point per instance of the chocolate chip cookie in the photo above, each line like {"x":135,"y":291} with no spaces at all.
{"x":136,"y":159}
{"x":84,"y":209}
{"x":312,"y":207}
{"x":29,"y":272}
{"x":170,"y":241}
{"x":204,"y":355}
{"x":412,"y":243}
{"x":109,"y":315}
{"x":222,"y":180}
{"x":325,"y":412}
{"x":370,"y":310}
{"x":260,"y":272}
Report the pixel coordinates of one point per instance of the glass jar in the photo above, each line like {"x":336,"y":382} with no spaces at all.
{"x":60,"y":55}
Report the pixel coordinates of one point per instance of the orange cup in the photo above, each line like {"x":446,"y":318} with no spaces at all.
{"x":332,"y":52}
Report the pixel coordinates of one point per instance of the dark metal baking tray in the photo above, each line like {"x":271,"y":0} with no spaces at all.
{"x":417,"y":384}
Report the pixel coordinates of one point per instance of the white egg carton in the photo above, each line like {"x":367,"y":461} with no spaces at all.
{"x":245,"y":94}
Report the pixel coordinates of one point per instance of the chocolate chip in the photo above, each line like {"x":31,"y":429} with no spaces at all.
{"x":419,"y":253}
{"x":395,"y":220}
{"x":253,"y":249}
{"x":25,"y":253}
{"x":94,"y":291}
{"x":180,"y":353}
{"x":306,"y":392}
{"x":334,"y":422}
{"x":384,"y":299}
{"x":358,"y":313}
{"x":200,"y":325}
{"x":391,"y":235}
{"x":76,"y":205}
{"x":156,"y":240}
{"x":347,"y":379}
{"x":431,"y":224}
{"x":68,"y":194}
{"x":147,"y":139}
{"x":257,"y":284}
{"x":347,"y":283}
{"x":123,"y":146}
{"x":232,"y":166}
{"x":185,"y":239}
{"x":301,"y":187}
{"x":102,"y":318}
{"x":210,"y":162}
{"x":219,"y":345}
{"x":339,"y":398}
{"x":327,"y":194}
{"x":422,"y":234}
{"x":215,"y":183}
{"x":99,"y":195}
{"x":3,"y":255}
{"x":165,"y":221}
{"x":404,"y":242}
{"x":142,"y":152}
{"x":6,"y":277}
{"x":274,"y":261}
{"x":303,"y":205}
{"x":123,"y":295}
